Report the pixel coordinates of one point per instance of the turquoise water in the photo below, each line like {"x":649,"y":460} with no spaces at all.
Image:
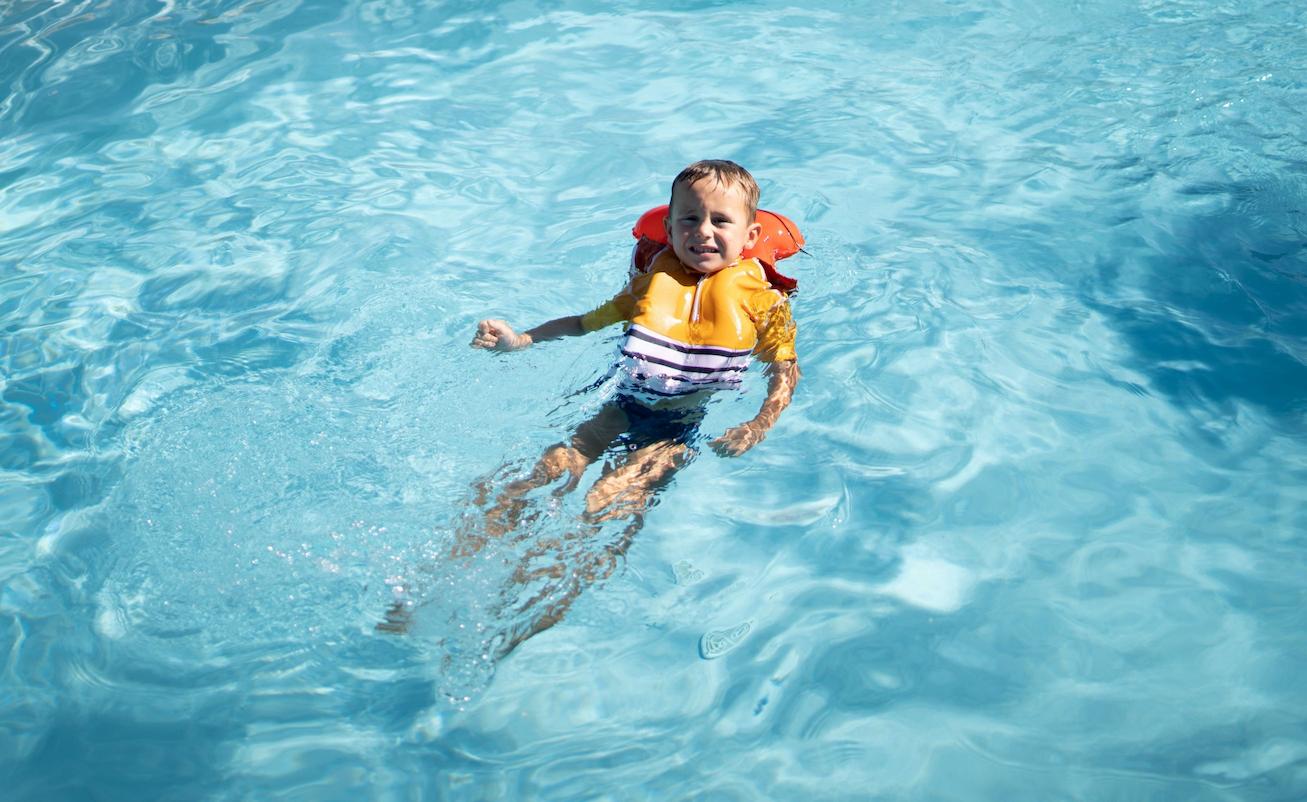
{"x":1033,"y":528}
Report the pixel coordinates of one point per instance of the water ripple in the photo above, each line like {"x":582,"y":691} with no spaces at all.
{"x":1032,"y":519}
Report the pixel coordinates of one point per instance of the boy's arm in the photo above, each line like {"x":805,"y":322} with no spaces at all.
{"x":497,"y":335}
{"x":782,"y":378}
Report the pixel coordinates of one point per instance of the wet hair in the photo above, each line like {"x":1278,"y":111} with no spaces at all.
{"x":725,"y":173}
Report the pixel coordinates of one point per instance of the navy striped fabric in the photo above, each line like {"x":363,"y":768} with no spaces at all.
{"x":661,"y":367}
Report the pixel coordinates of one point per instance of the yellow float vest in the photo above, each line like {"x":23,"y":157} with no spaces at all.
{"x":691,"y":332}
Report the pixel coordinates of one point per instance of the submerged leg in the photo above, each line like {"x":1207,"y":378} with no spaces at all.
{"x":624,"y":491}
{"x":586,"y":444}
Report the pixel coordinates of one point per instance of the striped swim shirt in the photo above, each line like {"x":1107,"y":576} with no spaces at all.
{"x":663,"y":367}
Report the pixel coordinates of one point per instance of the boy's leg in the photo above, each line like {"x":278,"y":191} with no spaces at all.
{"x":624,"y":491}
{"x":585,"y":446}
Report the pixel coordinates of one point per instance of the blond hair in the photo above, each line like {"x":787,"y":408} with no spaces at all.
{"x":725,"y":173}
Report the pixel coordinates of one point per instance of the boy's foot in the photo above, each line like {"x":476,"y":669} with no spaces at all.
{"x":397,"y":621}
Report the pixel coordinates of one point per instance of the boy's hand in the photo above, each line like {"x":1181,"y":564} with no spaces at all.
{"x":497,"y":335}
{"x":738,"y":439}
{"x":782,"y":377}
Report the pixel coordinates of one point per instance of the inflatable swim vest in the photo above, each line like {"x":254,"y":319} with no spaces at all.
{"x":780,"y":238}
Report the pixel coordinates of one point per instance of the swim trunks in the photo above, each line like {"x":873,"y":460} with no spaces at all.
{"x":649,"y":425}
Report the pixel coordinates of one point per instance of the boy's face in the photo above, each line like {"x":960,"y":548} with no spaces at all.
{"x":708,"y":225}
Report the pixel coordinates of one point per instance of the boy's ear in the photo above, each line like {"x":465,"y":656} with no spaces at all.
{"x":755,"y":231}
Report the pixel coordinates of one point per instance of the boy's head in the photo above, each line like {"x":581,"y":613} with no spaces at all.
{"x":722,"y":172}
{"x":711,"y":219}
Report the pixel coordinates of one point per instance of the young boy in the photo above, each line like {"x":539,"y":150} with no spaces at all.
{"x":695,"y":318}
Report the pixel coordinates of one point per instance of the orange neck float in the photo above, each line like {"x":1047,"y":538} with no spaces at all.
{"x":780,"y":238}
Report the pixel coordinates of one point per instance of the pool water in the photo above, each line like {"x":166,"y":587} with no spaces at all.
{"x":1035,"y":527}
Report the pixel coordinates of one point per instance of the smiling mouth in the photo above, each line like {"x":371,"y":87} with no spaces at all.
{"x":702,"y":249}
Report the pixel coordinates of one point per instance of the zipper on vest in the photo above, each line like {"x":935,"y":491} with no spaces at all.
{"x":694,"y":304}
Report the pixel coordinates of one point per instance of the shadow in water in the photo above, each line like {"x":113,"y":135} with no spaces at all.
{"x":1226,"y":318}
{"x":110,"y":755}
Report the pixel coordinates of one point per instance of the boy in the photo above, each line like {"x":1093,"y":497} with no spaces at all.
{"x":695,"y":318}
